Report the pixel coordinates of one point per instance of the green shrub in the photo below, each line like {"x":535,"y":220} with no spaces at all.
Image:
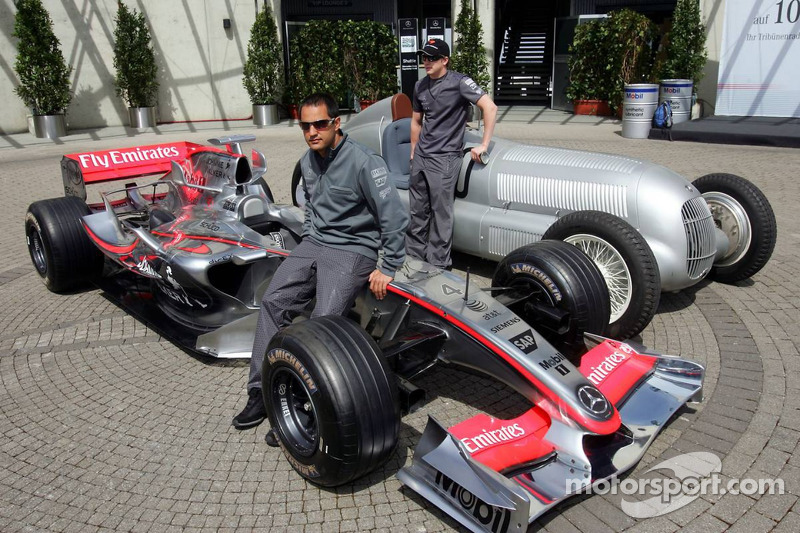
{"x":469,"y":55}
{"x":683,"y":52}
{"x":589,"y":70}
{"x":630,"y":52}
{"x":134,"y":61}
{"x":263,"y":70}
{"x":318,"y":61}
{"x":44,"y":84}
{"x":607,"y":53}
{"x":343,"y":58}
{"x":370,"y":69}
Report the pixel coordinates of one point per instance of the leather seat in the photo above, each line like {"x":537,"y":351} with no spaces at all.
{"x":397,"y":151}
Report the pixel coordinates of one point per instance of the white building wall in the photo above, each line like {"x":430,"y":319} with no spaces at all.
{"x":200,"y":62}
{"x":713,"y":13}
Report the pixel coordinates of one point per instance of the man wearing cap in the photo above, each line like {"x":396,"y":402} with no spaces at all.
{"x":440,"y":105}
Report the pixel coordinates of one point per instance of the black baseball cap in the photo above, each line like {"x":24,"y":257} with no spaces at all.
{"x":435,"y":47}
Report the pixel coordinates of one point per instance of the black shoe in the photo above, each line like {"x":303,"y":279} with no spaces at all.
{"x":271,"y":438}
{"x":253,"y":413}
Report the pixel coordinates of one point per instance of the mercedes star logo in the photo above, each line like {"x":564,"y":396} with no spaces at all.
{"x":593,"y":399}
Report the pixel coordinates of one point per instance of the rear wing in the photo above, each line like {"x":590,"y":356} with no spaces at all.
{"x":82,"y":169}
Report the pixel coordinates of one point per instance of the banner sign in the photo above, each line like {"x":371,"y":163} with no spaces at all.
{"x":408,"y":34}
{"x":758,"y":67}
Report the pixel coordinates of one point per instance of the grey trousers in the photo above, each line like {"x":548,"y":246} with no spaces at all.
{"x":333,"y":275}
{"x":431,"y":193}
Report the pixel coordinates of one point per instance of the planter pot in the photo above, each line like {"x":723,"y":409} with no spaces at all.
{"x":591,"y":107}
{"x":142,"y":117}
{"x":294,"y":112}
{"x":49,"y":126}
{"x":265,"y":115}
{"x":366,"y":103}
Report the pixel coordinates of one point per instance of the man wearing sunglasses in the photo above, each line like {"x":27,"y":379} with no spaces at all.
{"x":352,"y":210}
{"x":440,"y":104}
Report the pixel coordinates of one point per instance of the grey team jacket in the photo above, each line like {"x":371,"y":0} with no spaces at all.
{"x":353,"y":205}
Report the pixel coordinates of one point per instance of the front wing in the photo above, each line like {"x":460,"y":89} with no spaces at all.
{"x":500,"y":475}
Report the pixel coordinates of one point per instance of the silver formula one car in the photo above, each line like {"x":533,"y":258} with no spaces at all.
{"x":645,"y":226}
{"x":196,"y":247}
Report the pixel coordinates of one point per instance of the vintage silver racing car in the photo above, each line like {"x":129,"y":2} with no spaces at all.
{"x":645,"y":226}
{"x":192,"y":251}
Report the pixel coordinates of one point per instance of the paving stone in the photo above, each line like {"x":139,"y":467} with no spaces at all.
{"x":108,"y":426}
{"x":752,"y":522}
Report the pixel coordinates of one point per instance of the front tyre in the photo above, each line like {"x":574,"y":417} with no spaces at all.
{"x":332,"y":400}
{"x":744,"y":214}
{"x":626,"y":262}
{"x":60,"y":250}
{"x":557,"y":276}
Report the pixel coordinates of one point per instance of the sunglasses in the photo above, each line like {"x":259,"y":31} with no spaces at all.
{"x":319,"y":125}
{"x":430,"y":59}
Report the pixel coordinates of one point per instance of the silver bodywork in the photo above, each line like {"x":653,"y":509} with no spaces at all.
{"x":523,"y":189}
{"x":207,"y":263}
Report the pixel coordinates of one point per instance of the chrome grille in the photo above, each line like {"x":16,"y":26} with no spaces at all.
{"x":503,"y":240}
{"x":571,"y":158}
{"x":562,"y":194}
{"x":699,"y":227}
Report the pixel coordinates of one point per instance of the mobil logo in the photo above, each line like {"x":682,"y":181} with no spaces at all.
{"x":671,"y":90}
{"x":634,"y":96}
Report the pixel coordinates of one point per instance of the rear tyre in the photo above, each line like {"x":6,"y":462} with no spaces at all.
{"x":560,"y":276}
{"x":60,"y":250}
{"x":332,"y":400}
{"x":626,"y":262}
{"x":744,"y":214}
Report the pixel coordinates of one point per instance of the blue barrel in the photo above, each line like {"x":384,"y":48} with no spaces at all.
{"x":638,"y":106}
{"x":679,"y":94}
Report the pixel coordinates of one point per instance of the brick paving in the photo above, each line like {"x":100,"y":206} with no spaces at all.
{"x":109,"y":427}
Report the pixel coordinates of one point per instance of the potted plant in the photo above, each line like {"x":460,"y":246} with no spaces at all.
{"x":135,"y":64}
{"x":372,"y":70}
{"x":629,"y":53}
{"x":263,"y":70}
{"x":469,"y":54}
{"x":44,"y":84}
{"x":682,"y":55}
{"x":608,"y":53}
{"x":317,"y":64}
{"x":589,"y":79}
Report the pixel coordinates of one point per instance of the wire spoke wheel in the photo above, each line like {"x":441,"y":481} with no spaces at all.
{"x":613,"y":268}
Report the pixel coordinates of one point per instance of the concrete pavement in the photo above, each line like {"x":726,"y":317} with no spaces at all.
{"x":109,"y":427}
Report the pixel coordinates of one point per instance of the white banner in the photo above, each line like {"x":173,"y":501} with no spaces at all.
{"x":759,"y":67}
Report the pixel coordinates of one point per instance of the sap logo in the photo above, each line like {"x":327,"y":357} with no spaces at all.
{"x":525,"y":341}
{"x":495,"y":519}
